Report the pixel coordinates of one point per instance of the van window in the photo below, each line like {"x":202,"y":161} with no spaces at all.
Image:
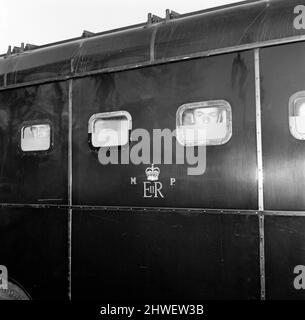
{"x":109,"y":129}
{"x":297,"y":115}
{"x":204,"y":123}
{"x":35,"y":137}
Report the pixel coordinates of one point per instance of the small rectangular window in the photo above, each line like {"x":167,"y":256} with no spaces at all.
{"x":109,"y":129}
{"x":204,"y":123}
{"x":35,"y":137}
{"x":297,"y":115}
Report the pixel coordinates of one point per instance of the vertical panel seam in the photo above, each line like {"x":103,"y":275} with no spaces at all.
{"x":259,"y":132}
{"x":152,"y":44}
{"x":262,"y":255}
{"x":70,"y":186}
{"x":260,"y":183}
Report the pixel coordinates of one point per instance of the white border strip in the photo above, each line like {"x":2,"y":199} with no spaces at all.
{"x":259,"y":132}
{"x":260,"y":176}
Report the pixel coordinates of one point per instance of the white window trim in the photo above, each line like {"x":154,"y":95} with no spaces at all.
{"x":35,"y":123}
{"x":297,"y":135}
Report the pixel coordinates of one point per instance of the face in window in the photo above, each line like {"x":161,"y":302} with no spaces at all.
{"x":204,"y":116}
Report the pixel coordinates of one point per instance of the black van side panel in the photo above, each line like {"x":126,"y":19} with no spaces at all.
{"x":29,"y":178}
{"x":152,"y":96}
{"x":152,"y":252}
{"x":285,"y":238}
{"x":162,"y":255}
{"x":33,"y":237}
{"x":282,"y":75}
{"x":34,"y":248}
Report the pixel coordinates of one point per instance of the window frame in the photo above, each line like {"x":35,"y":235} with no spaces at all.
{"x":35,"y":122}
{"x":205,"y":104}
{"x":105,"y":115}
{"x":292,"y":128}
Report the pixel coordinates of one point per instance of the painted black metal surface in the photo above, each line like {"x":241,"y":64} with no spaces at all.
{"x":152,"y":97}
{"x":34,"y":248}
{"x":123,"y":255}
{"x":87,"y":54}
{"x":127,"y":47}
{"x":24,"y":178}
{"x":282,"y":75}
{"x":145,"y":253}
{"x":242,"y":24}
{"x":285,"y":245}
{"x":256,"y":22}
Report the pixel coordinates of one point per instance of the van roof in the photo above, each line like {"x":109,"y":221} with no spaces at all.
{"x":248,"y":23}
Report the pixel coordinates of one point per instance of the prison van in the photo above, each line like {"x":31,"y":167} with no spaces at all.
{"x":73,"y":227}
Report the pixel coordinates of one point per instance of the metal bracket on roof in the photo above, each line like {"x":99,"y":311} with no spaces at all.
{"x":151,"y":19}
{"x":18,"y":49}
{"x":29,"y":46}
{"x":87,"y":34}
{"x":170,"y":14}
{"x":9,"y":51}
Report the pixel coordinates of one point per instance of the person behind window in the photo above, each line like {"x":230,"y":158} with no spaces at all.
{"x":205,"y":116}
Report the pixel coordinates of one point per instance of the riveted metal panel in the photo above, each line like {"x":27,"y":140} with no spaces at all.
{"x":34,"y":178}
{"x":282,"y":75}
{"x":164,"y":255}
{"x":34,"y":249}
{"x":152,"y":96}
{"x":284,"y":250}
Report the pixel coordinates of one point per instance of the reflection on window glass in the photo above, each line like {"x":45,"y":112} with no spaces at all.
{"x":36,"y":137}
{"x":204,"y":123}
{"x":297,"y":115}
{"x":110,"y":129}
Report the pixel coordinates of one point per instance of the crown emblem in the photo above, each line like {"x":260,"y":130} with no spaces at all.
{"x":152,"y":173}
